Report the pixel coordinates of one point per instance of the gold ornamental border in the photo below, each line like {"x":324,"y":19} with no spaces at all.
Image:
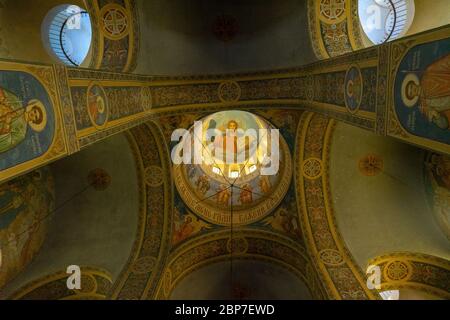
{"x":332,"y":260}
{"x":91,"y":273}
{"x":217,"y":215}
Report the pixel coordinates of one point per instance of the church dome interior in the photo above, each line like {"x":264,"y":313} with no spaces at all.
{"x":224,"y":150}
{"x":242,"y":183}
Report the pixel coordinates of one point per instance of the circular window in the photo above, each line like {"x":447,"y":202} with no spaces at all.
{"x":67,"y":34}
{"x":385,"y":20}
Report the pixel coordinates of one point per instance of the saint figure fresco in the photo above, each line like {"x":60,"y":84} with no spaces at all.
{"x":16,"y":118}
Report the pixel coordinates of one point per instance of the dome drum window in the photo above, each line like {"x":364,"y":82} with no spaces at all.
{"x":385,"y":20}
{"x":67,"y":34}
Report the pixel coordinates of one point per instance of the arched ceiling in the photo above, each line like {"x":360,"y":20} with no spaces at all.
{"x":252,"y":280}
{"x":383,"y":207}
{"x":139,"y":221}
{"x":25,"y":202}
{"x":181,"y":37}
{"x":94,"y":228}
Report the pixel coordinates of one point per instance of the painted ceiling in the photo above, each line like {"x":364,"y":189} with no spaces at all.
{"x":93,"y":226}
{"x":118,"y":209}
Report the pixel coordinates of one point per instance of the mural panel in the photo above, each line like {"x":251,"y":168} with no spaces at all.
{"x":31,"y":131}
{"x":116,"y":40}
{"x":27,"y":125}
{"x":97,"y":104}
{"x":334,"y":27}
{"x":25,"y":203}
{"x":422,"y":91}
{"x":419,"y":110}
{"x":437,"y":186}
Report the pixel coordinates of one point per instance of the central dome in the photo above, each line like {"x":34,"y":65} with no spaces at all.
{"x":244,"y":172}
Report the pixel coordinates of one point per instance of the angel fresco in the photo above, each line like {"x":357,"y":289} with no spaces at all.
{"x":185,"y":226}
{"x":203,"y":184}
{"x":184,"y":230}
{"x":246,"y":195}
{"x":285,"y":222}
{"x":16,"y":118}
{"x":24,"y":203}
{"x":223,"y":195}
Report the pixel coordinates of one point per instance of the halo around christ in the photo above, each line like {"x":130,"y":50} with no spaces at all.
{"x":217,"y":191}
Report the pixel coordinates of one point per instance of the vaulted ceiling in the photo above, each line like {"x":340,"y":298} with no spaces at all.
{"x":351,"y":196}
